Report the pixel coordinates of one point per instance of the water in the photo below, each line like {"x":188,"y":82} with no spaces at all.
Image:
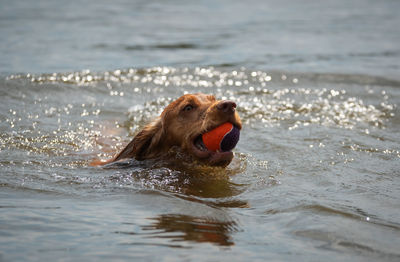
{"x":315,"y":174}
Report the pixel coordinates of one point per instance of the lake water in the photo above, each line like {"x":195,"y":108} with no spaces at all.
{"x":315,"y":175}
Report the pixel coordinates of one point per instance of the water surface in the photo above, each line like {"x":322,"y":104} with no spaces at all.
{"x":315,"y":174}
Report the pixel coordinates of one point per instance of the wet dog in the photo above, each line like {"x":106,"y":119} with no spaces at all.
{"x":181,"y":125}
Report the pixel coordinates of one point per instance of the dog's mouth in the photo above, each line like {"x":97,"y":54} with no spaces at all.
{"x":213,"y":158}
{"x":199,"y":144}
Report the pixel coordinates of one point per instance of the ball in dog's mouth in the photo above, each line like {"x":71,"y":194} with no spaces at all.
{"x":216,"y":145}
{"x":222,"y":138}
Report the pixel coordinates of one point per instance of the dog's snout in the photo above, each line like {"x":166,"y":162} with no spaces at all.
{"x":226,"y":106}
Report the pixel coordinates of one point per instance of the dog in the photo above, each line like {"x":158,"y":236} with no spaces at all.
{"x":181,"y":125}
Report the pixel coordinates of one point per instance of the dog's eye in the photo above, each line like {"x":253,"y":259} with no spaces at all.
{"x":188,"y":108}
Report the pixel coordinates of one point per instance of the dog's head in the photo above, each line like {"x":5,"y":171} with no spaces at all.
{"x":180,"y":125}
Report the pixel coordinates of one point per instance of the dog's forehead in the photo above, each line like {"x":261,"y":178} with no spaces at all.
{"x":194,"y":99}
{"x":203,"y":98}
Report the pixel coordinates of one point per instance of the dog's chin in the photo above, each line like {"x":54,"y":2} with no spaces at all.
{"x":221,"y":159}
{"x":201,"y":153}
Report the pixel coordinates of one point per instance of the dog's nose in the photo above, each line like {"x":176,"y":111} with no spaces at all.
{"x":226,"y":106}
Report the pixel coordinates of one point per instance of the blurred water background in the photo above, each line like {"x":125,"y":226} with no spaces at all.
{"x":316,"y":172}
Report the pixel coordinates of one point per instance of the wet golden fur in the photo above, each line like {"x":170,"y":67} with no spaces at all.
{"x":178,"y":126}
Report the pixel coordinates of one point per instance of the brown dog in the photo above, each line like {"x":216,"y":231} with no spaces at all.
{"x":180,"y":125}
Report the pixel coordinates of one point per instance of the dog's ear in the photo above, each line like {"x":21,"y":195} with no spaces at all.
{"x":145,"y":144}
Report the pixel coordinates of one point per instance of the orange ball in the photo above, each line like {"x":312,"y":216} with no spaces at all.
{"x":222,"y":138}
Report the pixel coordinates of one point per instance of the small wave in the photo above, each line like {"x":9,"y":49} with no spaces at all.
{"x":345,"y":212}
{"x":166,"y":46}
{"x":356,"y":79}
{"x":391,"y":53}
{"x":212,"y":75}
{"x":335,"y":241}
